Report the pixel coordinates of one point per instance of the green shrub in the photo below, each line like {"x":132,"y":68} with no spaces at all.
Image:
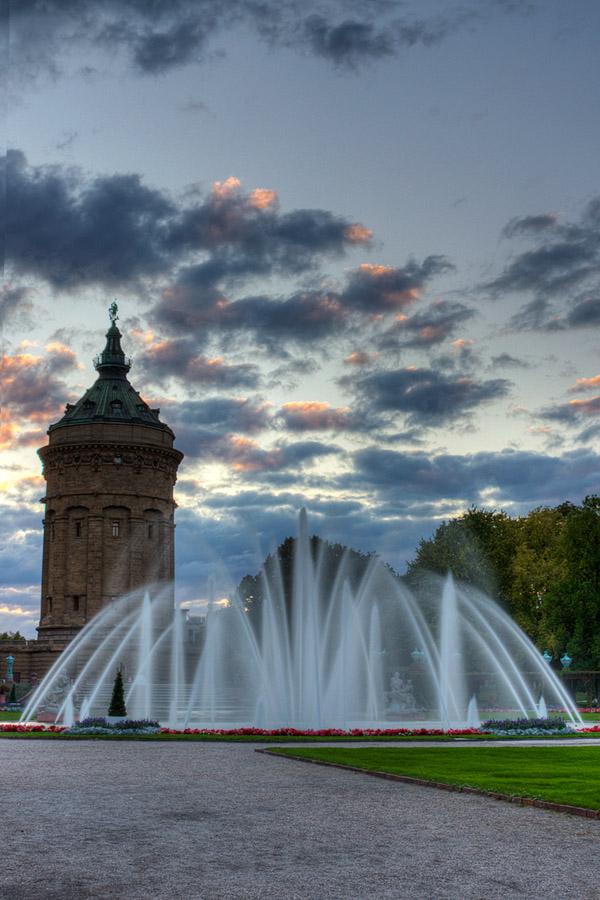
{"x":117,"y":701}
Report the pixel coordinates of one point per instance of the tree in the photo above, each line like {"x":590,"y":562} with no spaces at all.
{"x":534,"y":566}
{"x":571,"y":604}
{"x":278,"y":569}
{"x":477,"y":547}
{"x":117,"y":701}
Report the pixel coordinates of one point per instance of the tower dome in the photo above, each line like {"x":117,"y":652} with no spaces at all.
{"x":110,"y":468}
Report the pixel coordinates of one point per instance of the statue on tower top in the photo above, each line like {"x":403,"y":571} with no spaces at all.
{"x":112,"y":311}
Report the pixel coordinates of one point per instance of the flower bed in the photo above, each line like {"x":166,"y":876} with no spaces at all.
{"x":325,"y":732}
{"x":141,"y":727}
{"x":100,"y":725}
{"x":27,"y":727}
{"x":527,"y":727}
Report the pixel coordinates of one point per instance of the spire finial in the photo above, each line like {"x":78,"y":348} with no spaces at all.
{"x":112,"y":312}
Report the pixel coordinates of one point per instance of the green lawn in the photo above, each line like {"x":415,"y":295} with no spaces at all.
{"x":569,"y":775}
{"x":10,"y":715}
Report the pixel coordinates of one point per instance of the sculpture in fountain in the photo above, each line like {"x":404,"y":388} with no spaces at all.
{"x":401,"y":701}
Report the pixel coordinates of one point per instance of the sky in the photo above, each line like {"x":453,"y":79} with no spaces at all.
{"x":355,"y":249}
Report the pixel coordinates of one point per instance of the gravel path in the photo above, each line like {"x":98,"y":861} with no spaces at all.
{"x":215,"y":822}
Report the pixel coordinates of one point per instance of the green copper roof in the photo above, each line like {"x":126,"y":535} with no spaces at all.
{"x":111,"y":398}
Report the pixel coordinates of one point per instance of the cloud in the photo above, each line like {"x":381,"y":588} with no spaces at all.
{"x":303,"y":318}
{"x":584,"y":313}
{"x":550,"y":269}
{"x":15,"y":304}
{"x":204,"y":427}
{"x":509,"y":476}
{"x":426,"y":396}
{"x":349,"y":43}
{"x":114,"y":230}
{"x":377,"y":289}
{"x":193,"y":306}
{"x":360,"y":358}
{"x":530,"y":225}
{"x":315,"y":416}
{"x":586,"y":384}
{"x":247,"y":234}
{"x":30,"y":389}
{"x":179,"y":359}
{"x":430,"y":326}
{"x":505,"y":360}
{"x":562,"y":266}
{"x":246,"y":456}
{"x":224,"y":413}
{"x":71,"y":232}
{"x":573,"y":411}
{"x":163,"y":35}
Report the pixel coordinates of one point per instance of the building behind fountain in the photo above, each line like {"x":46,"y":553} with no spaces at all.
{"x":110,"y":468}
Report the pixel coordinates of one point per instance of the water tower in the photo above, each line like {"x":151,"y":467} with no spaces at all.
{"x":110,"y":468}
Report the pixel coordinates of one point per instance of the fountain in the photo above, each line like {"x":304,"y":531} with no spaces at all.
{"x":335,"y":655}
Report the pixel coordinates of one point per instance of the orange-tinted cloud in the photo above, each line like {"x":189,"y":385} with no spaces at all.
{"x":586,"y":384}
{"x":315,"y":416}
{"x":178,"y":358}
{"x":263,"y":199}
{"x":358,"y":234}
{"x":380,"y":289}
{"x":359,"y":358}
{"x":247,"y":456}
{"x":30,"y":389}
{"x":226,"y":188}
{"x":589,"y":407}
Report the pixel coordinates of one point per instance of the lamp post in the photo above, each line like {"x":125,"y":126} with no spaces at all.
{"x":9,"y":667}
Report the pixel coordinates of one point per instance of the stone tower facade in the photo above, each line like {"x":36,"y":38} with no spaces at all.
{"x":110,"y":468}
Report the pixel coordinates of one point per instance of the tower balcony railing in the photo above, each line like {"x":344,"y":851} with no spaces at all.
{"x":112,"y":359}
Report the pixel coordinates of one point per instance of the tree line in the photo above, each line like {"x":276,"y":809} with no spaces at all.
{"x":543,"y":568}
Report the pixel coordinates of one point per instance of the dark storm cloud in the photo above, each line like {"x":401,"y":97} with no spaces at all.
{"x":563,"y":266}
{"x":162,"y":35}
{"x":180,"y":359}
{"x":426,"y":396}
{"x":111,"y":230}
{"x":432,"y":325}
{"x":515,"y":476}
